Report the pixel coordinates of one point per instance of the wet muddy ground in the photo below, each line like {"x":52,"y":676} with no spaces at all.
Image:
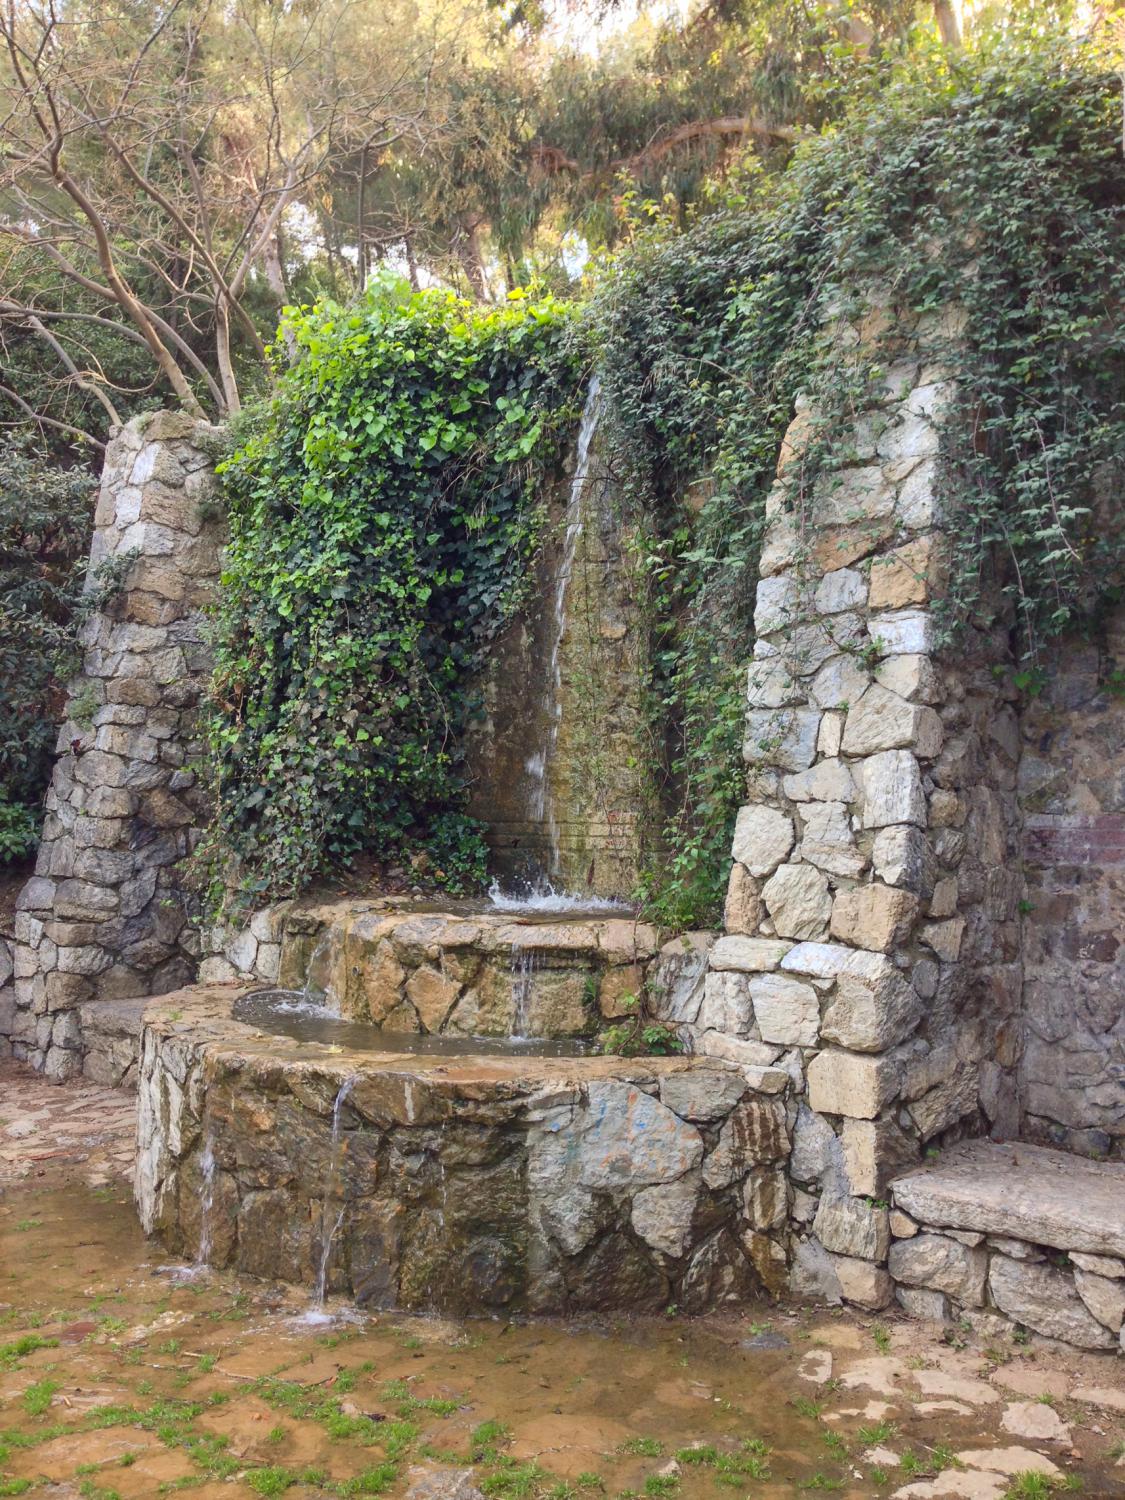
{"x":121,"y":1376}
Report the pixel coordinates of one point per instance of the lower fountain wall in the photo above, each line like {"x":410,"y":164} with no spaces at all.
{"x":538,"y":1185}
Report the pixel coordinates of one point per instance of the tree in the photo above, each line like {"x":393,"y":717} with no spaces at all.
{"x":151,"y":153}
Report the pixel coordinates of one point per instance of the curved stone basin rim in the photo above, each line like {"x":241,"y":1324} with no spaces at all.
{"x":461,"y":1184}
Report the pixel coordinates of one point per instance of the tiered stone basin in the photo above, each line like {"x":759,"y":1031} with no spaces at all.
{"x":468,"y":969}
{"x":460,"y":1184}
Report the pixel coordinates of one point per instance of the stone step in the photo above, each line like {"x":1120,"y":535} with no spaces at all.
{"x":1021,"y":1192}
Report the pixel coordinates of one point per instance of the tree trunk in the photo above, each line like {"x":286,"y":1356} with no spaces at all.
{"x":469,"y":254}
{"x":275,"y":275}
{"x":948,"y":24}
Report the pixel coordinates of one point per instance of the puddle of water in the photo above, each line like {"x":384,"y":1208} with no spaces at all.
{"x":288,"y":1013}
{"x":157,"y":1378}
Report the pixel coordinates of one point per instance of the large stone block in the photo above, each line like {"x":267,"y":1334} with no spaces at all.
{"x":1105,"y":1298}
{"x":784,"y":737}
{"x":881,"y":720}
{"x":907,"y":575}
{"x":849,"y":1083}
{"x":726,"y":1003}
{"x":785,"y":1010}
{"x":828,"y":841}
{"x":748,"y":955}
{"x":870,"y":1015}
{"x":862,"y":1282}
{"x":874,"y":1152}
{"x":876,"y":916}
{"x":1044,"y":1300}
{"x":849,"y":495}
{"x":763,"y":837}
{"x":828,"y":781}
{"x":798,"y":901}
{"x":743,"y":909}
{"x":892,"y":790}
{"x":942,"y":1265}
{"x":901,"y":856}
{"x":851,"y":1226}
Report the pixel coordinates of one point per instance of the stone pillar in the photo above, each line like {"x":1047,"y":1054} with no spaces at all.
{"x":103,"y":917}
{"x":872,"y":931}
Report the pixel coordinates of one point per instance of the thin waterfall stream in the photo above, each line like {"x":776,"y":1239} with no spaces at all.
{"x":542,"y":808}
{"x":333,"y":1186}
{"x":206,"y":1200}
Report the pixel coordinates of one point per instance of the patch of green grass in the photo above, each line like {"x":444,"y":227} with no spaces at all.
{"x":1028,"y":1485}
{"x":270,"y":1481}
{"x":661,"y":1484}
{"x":207,"y":1363}
{"x":642,"y":1447}
{"x":807,"y":1408}
{"x":37,"y":1398}
{"x":879,"y":1432}
{"x":486,"y":1438}
{"x":14,"y":1486}
{"x":515,"y":1480}
{"x":706,"y":1453}
{"x":589,"y":1481}
{"x":879,"y":1476}
{"x":882,"y":1337}
{"x":91,"y":1491}
{"x":373,"y":1481}
{"x":275,"y":1435}
{"x":835,"y":1444}
{"x":821,"y":1482}
{"x":11,"y":1354}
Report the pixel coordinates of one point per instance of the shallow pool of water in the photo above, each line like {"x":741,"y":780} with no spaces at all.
{"x":291,"y":1013}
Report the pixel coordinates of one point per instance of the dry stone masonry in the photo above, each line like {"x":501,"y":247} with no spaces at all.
{"x":921,"y":958}
{"x":469,"y":1185}
{"x":103,"y":918}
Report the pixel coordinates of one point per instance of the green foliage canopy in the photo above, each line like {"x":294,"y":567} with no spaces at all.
{"x":383,"y":511}
{"x":993,"y":184}
{"x":45,"y":519}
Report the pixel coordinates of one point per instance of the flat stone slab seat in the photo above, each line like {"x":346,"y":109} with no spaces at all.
{"x":1021,"y":1192}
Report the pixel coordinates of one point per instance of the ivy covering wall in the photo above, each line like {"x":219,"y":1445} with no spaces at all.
{"x":383,"y":512}
{"x":993,"y":185}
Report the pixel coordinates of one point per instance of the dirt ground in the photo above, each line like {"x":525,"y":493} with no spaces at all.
{"x":123,"y":1375}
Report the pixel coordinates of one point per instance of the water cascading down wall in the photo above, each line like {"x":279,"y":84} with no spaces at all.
{"x":556,"y":754}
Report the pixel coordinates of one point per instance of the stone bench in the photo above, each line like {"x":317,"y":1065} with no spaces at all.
{"x":1018,"y":1232}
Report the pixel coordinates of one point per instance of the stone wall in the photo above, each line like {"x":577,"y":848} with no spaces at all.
{"x":103,"y":917}
{"x":872,"y":926}
{"x":1072,"y":794}
{"x":7,"y":992}
{"x":461,"y":1185}
{"x":556,"y":759}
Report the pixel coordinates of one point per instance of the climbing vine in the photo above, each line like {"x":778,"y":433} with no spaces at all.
{"x":383,"y":510}
{"x":981,"y":199}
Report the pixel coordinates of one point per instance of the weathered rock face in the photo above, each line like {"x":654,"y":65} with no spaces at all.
{"x":553,"y":760}
{"x":544,"y":1185}
{"x":103,"y":918}
{"x":1072,"y":794}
